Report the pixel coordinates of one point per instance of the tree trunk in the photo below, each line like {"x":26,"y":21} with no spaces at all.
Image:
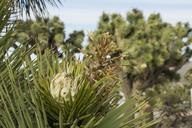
{"x":127,"y":85}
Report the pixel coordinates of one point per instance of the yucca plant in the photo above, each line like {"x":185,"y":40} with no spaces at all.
{"x":47,"y":92}
{"x":27,"y":99}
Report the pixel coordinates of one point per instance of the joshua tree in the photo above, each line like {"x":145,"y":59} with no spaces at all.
{"x":152,"y":50}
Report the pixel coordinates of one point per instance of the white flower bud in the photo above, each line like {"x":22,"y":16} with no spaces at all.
{"x":61,"y":86}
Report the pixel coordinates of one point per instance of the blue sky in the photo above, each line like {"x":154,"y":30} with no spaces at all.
{"x":84,"y":14}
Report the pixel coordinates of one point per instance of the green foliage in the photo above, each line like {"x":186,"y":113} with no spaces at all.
{"x":47,"y":33}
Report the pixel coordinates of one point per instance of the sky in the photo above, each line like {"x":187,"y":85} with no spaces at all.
{"x":84,"y":14}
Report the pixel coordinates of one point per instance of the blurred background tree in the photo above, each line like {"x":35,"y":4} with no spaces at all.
{"x":47,"y":33}
{"x":152,"y":50}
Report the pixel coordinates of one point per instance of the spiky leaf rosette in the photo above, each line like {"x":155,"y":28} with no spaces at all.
{"x":26,"y":100}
